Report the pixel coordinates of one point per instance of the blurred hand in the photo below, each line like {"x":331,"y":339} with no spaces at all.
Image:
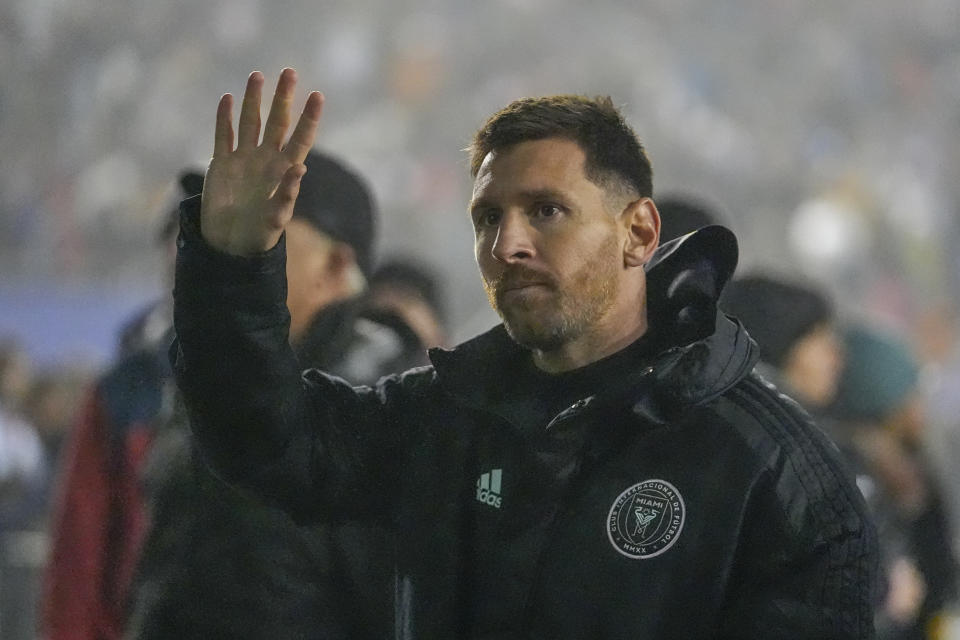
{"x":248,"y":192}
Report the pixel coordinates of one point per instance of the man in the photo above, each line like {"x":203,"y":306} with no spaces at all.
{"x":217,"y":564}
{"x":793,"y":325}
{"x":602,"y":465}
{"x":101,"y":520}
{"x":98,"y":521}
{"x":880,"y":402}
{"x":407,"y":296}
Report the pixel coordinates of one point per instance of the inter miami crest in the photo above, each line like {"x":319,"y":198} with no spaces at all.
{"x":646,"y":519}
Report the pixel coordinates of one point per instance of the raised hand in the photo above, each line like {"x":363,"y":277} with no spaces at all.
{"x":248,"y":192}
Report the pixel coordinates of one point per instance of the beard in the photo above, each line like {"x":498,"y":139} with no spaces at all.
{"x":559,"y":311}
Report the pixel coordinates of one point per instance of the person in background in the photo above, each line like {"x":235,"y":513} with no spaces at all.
{"x":880,"y":404}
{"x":329,"y":264}
{"x":16,"y":373}
{"x":683,"y":213}
{"x":406,"y":295}
{"x":794,"y":326}
{"x":220,"y":564}
{"x":802,"y":353}
{"x":24,"y":477}
{"x":51,"y":405}
{"x":23,"y":466}
{"x":937,"y":335}
{"x":148,"y":326}
{"x":98,"y":517}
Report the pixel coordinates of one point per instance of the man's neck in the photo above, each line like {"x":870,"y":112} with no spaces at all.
{"x":605,"y":340}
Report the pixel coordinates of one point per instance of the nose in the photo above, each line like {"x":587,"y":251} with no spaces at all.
{"x":513,"y":242}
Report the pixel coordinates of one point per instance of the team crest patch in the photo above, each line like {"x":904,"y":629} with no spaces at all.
{"x":646,"y":519}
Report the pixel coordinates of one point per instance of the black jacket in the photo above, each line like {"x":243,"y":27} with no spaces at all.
{"x":217,"y":563}
{"x":694,"y":502}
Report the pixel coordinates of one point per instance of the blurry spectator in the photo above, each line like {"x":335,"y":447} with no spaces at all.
{"x":879,"y":401}
{"x":939,"y":344}
{"x":24,"y":474}
{"x":329,"y":261}
{"x":23,"y":471}
{"x":793,"y":325}
{"x":218,"y":564}
{"x":23,"y":466}
{"x":98,"y":519}
{"x":15,"y":374}
{"x":681,"y":214}
{"x":406,"y":296}
{"x":51,"y":406}
{"x":147,"y":326}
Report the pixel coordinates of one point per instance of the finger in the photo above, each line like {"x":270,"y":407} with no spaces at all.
{"x":248,"y":130}
{"x":306,"y":131}
{"x":279,"y":119}
{"x":273,"y":174}
{"x":223,"y":140}
{"x":286,"y":194}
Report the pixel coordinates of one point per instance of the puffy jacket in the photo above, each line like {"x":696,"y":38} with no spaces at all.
{"x":219,"y":564}
{"x":692,"y":502}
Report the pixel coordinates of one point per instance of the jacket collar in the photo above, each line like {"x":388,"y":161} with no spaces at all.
{"x":709,"y":352}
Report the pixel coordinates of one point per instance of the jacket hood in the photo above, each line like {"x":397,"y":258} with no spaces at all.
{"x":706,"y":351}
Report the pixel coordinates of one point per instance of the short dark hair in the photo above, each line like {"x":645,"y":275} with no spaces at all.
{"x":613,"y":152}
{"x":411,"y":275}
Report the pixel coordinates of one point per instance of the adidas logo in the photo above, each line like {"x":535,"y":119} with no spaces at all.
{"x":488,"y":488}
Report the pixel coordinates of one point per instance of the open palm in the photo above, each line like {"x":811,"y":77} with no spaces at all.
{"x":249,"y":191}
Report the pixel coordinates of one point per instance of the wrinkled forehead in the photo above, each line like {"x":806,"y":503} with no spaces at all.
{"x":530,"y":165}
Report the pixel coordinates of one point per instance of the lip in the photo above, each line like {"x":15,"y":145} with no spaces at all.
{"x":518,"y":292}
{"x":520,"y":286}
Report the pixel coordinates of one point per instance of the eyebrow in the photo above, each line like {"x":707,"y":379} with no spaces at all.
{"x":543,"y":194}
{"x":530,"y":194}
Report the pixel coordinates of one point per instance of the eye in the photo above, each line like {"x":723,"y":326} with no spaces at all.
{"x":488,"y":218}
{"x":547,"y":211}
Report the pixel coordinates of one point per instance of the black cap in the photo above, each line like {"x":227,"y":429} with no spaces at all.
{"x":411,"y":275}
{"x":337,"y":202}
{"x":775,"y":313}
{"x":681,"y":214}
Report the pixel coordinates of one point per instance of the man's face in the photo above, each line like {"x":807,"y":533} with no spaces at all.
{"x":546,"y":242}
{"x":814,"y":364}
{"x":307,"y":256}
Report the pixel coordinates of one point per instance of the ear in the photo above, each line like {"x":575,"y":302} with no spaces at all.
{"x":640,"y":222}
{"x":340,"y":258}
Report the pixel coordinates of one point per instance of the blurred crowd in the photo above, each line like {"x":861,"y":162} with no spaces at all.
{"x":820,"y":125}
{"x":37,"y":412}
{"x":824,"y":134}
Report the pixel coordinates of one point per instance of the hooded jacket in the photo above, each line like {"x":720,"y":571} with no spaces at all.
{"x":691,"y":501}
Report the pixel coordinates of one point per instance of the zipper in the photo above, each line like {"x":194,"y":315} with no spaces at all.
{"x":573,"y":485}
{"x":569,"y":412}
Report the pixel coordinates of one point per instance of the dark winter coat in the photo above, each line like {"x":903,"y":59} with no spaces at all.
{"x":218,"y":563}
{"x":692,"y":502}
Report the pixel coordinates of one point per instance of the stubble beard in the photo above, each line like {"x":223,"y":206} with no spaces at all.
{"x":572,"y":309}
